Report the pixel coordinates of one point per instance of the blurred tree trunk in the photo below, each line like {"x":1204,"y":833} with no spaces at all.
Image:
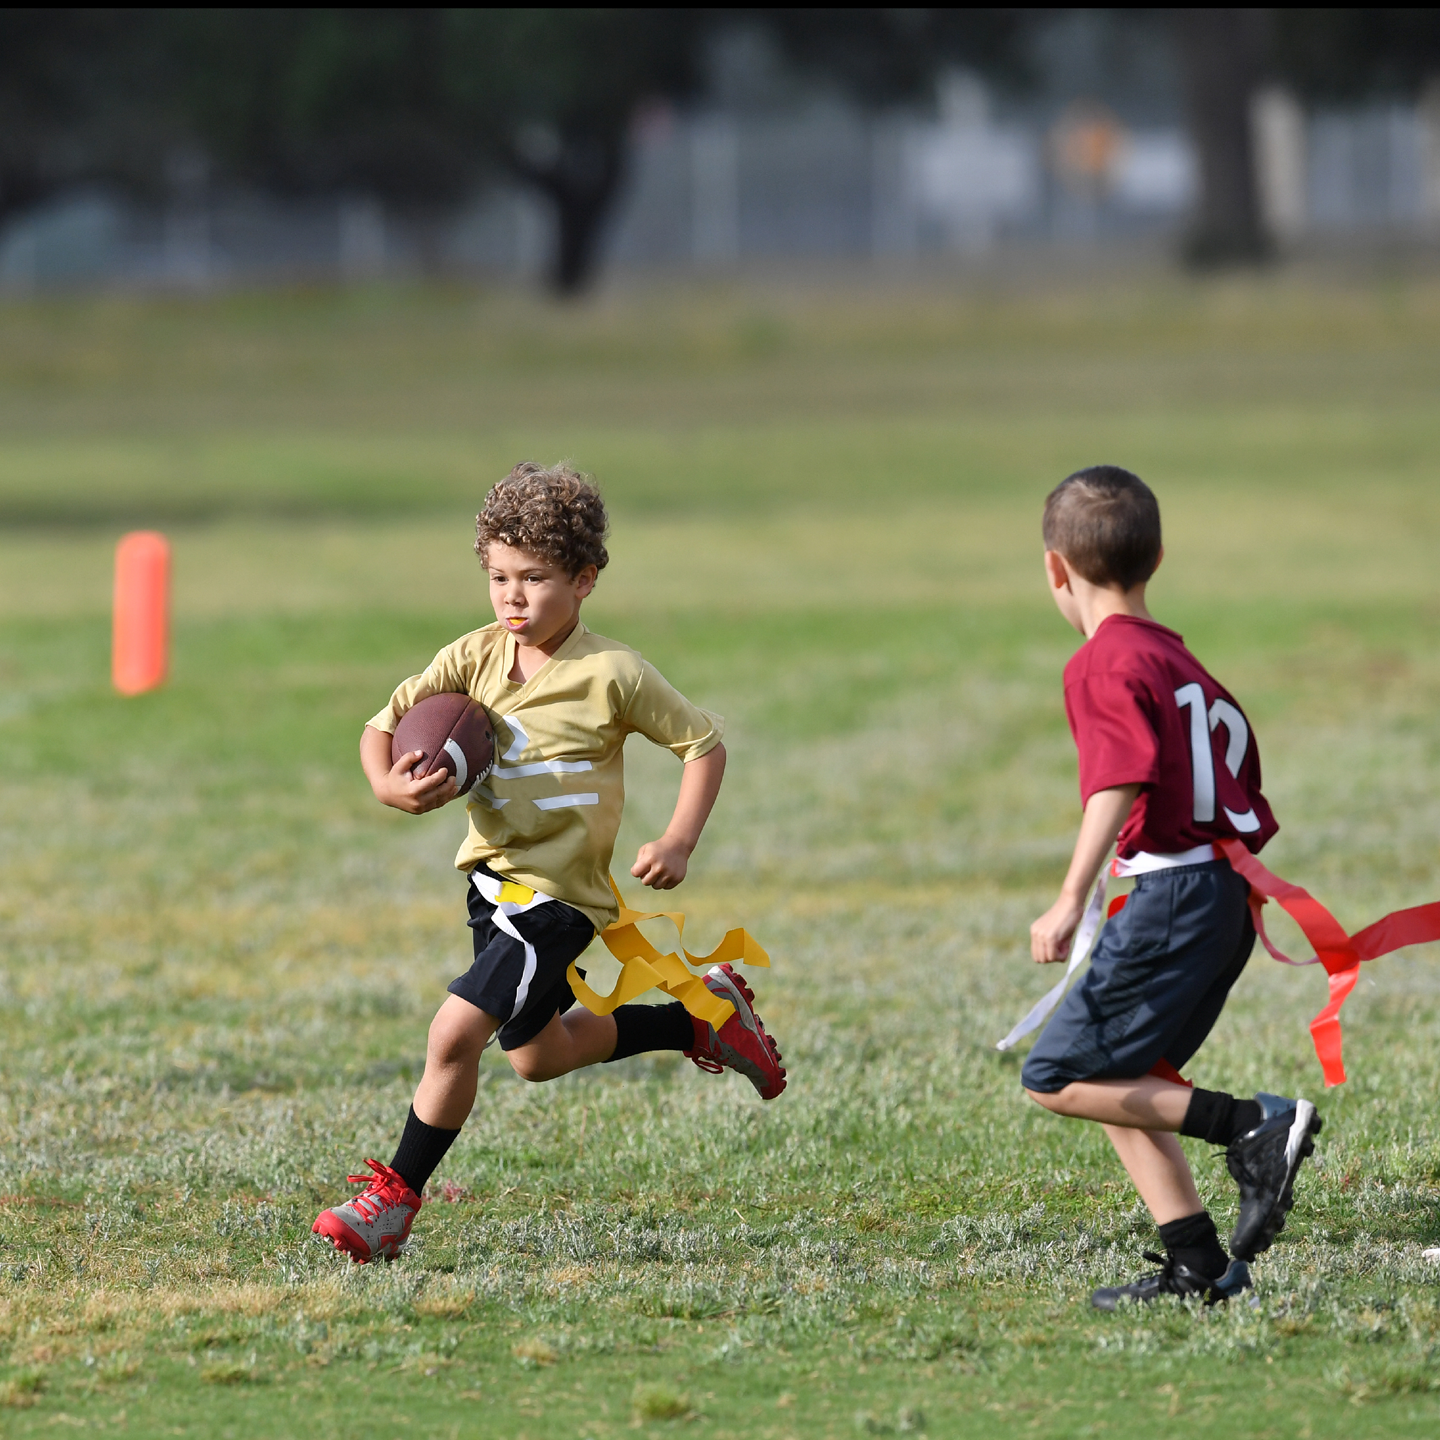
{"x":1219,"y":53}
{"x":581,"y":176}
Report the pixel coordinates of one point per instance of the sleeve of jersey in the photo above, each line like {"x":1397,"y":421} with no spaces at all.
{"x":1114,"y":733}
{"x":660,"y":713}
{"x":448,"y":673}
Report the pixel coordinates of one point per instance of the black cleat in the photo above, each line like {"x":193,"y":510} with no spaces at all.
{"x":1264,"y":1162}
{"x":1173,"y":1279}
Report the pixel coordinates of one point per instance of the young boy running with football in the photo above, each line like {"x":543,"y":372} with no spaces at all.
{"x":541,"y":833}
{"x":1168,"y":765}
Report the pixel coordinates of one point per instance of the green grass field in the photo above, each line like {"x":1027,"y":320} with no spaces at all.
{"x":218,"y":955}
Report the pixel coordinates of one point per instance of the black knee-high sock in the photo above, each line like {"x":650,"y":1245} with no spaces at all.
{"x":422,"y":1147}
{"x":652,"y":1027}
{"x":1219,"y":1118}
{"x":1192,"y":1242}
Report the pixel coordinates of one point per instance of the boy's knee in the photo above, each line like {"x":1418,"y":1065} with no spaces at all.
{"x":1052,"y":1100}
{"x":454,"y":1040}
{"x":530,"y":1064}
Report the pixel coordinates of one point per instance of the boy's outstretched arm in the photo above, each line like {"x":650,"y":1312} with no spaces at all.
{"x":662,"y":863}
{"x":1105,"y":813}
{"x":392,"y":783}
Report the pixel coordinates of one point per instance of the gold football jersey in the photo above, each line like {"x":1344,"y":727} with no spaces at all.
{"x":549,"y":812}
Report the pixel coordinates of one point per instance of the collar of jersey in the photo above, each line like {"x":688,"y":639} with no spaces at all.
{"x":507,"y":659}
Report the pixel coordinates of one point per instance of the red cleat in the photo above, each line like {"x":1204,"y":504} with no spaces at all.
{"x":741,"y":1042}
{"x":375,"y":1223}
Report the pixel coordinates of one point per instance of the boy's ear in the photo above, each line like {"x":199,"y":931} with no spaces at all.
{"x":585,"y":581}
{"x":1056,"y":570}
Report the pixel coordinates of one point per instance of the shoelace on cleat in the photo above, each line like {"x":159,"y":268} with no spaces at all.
{"x":1168,"y":1267}
{"x":369,"y":1204}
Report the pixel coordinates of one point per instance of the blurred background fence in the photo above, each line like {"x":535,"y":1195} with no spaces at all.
{"x":717,"y":189}
{"x":200,"y":149}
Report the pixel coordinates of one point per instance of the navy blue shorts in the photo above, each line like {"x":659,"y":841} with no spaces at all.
{"x":1157,"y":980}
{"x":522,"y":982}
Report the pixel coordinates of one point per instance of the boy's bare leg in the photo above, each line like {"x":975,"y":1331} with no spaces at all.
{"x":446,"y":1093}
{"x":1157,"y":1166}
{"x":378,"y":1222}
{"x":1140,"y":1117}
{"x":1147,"y":1103}
{"x":569,"y":1042}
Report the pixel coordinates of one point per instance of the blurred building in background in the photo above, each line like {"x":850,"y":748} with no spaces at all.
{"x":766,"y":170}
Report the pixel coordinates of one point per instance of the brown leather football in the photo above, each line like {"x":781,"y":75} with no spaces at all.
{"x":453,"y":732}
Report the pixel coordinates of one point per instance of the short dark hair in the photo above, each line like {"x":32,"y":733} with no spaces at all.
{"x":1106,"y":523}
{"x":552,"y":511}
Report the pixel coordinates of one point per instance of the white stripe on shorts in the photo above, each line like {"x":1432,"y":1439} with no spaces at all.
{"x":489,"y":887}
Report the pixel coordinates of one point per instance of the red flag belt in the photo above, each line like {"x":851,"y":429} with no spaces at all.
{"x":1339,"y":953}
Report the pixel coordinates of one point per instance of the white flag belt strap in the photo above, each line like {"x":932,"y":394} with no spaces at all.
{"x":493,"y":889}
{"x":1146,"y":863}
{"x":1085,"y":933}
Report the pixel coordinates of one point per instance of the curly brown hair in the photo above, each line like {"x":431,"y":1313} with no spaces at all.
{"x":552,"y":511}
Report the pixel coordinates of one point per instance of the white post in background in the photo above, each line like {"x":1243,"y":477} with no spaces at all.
{"x":1277,"y":123}
{"x":20,"y":259}
{"x":966,"y":175}
{"x":532,"y":225}
{"x":188,"y":259}
{"x":715,"y":191}
{"x":362,"y":238}
{"x":893,"y":220}
{"x":1428,"y":114}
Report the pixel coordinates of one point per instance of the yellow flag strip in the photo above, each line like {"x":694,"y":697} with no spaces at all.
{"x":643,"y":967}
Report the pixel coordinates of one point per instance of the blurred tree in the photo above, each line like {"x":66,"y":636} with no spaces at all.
{"x":314,"y":101}
{"x":311,"y":102}
{"x":1336,"y":55}
{"x":885,"y":56}
{"x":76,"y":105}
{"x":553,"y":94}
{"x":1220,"y":53}
{"x":420,"y":107}
{"x":1348,"y":54}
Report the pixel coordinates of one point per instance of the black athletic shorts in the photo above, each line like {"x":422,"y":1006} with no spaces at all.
{"x":522,"y":982}
{"x":1157,"y":981}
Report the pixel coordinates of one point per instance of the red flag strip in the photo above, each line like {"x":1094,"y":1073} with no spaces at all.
{"x":1339,"y":953}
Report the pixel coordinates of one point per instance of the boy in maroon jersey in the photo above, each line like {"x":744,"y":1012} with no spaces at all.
{"x":1167,"y":766}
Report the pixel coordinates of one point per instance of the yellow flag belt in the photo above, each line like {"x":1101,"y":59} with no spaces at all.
{"x":643,"y":967}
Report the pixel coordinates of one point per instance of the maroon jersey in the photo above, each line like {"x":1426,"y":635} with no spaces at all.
{"x":1144,"y":712}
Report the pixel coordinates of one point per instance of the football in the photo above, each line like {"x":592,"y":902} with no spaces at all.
{"x":454,"y":734}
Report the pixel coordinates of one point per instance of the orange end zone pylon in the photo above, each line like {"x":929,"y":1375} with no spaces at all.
{"x":140,"y":654}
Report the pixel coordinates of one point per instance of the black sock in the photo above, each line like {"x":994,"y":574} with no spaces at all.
{"x":1219,"y":1118}
{"x":1192,"y":1241}
{"x":652,"y":1027}
{"x":422,"y":1147}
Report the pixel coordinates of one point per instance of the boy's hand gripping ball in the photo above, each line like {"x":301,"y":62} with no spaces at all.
{"x":454,"y":735}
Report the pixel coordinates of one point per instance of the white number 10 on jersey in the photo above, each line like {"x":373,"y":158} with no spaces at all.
{"x":1202,"y":757}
